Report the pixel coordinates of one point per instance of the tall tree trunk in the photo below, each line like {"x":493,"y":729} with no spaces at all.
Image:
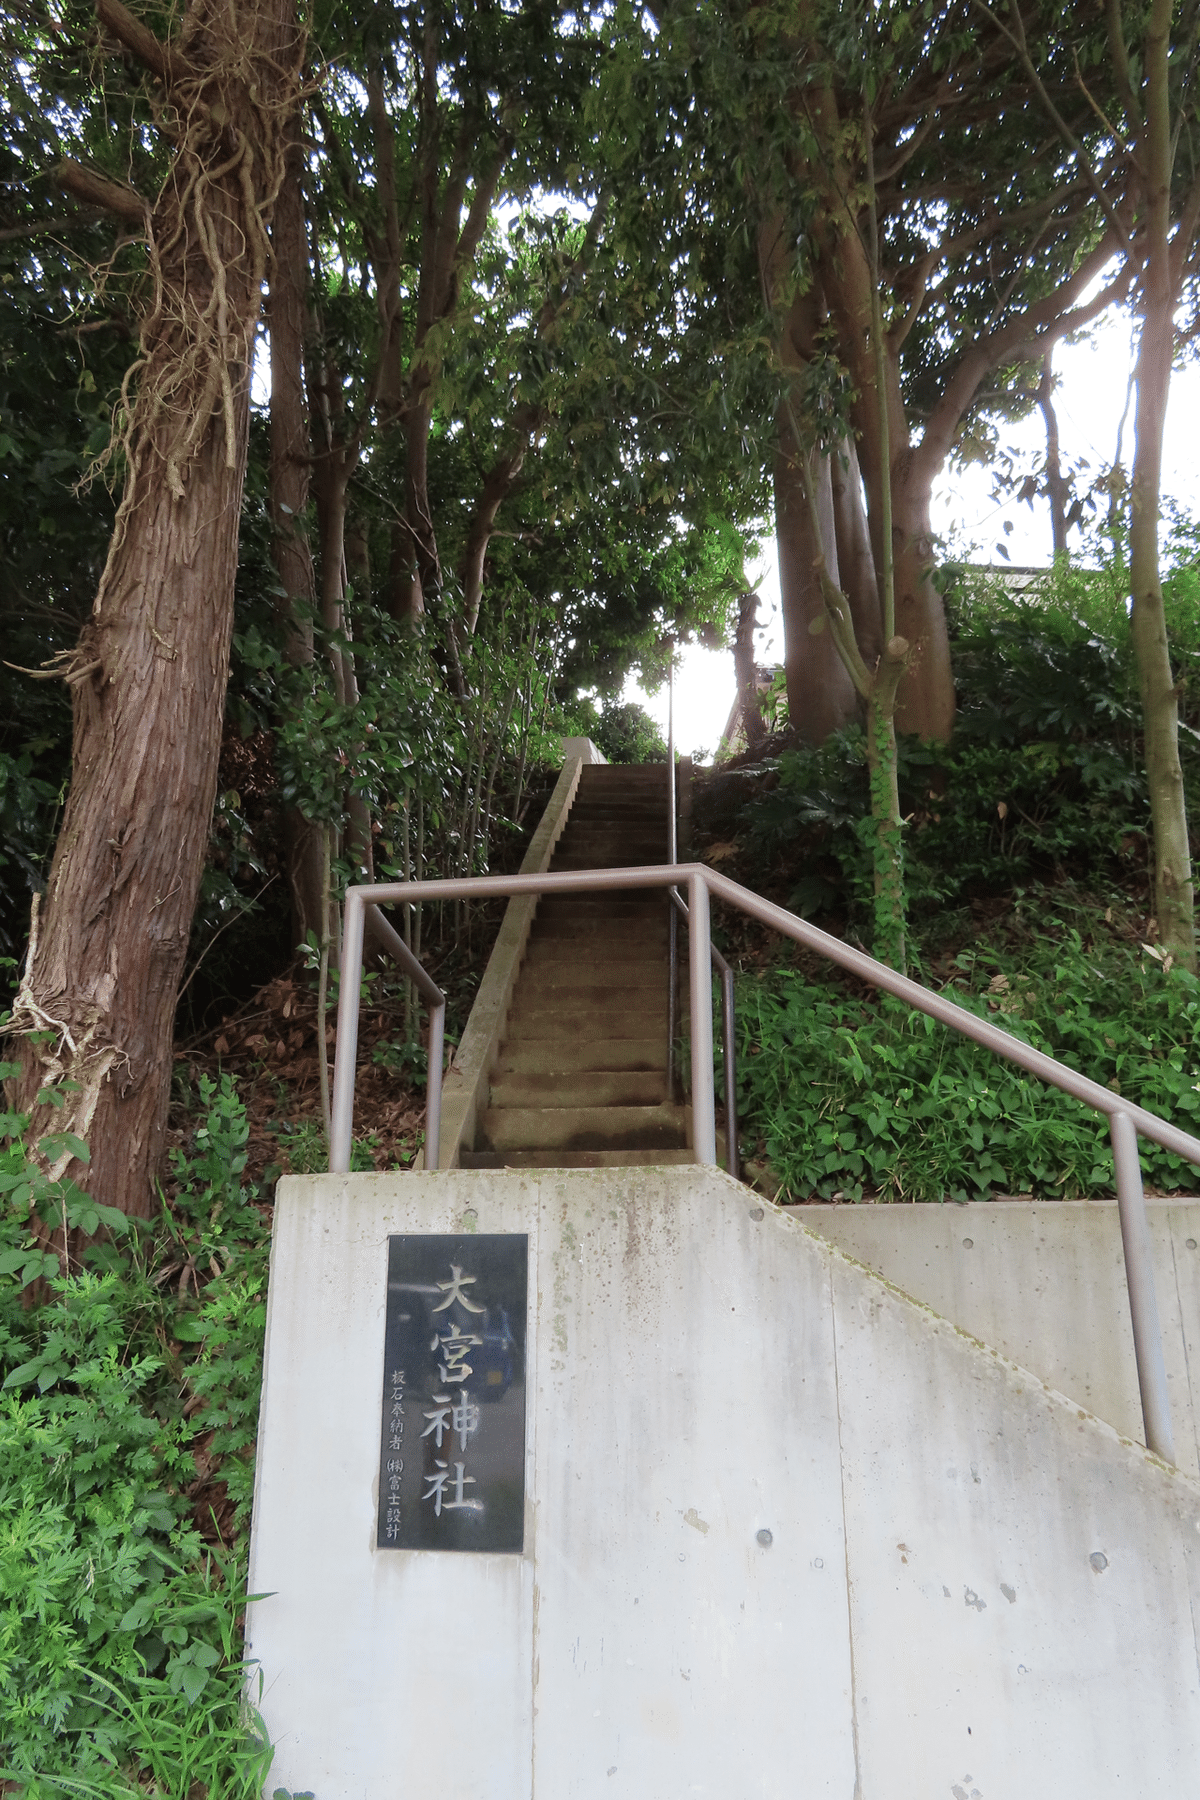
{"x":1173,"y":891}
{"x":925,"y":699}
{"x":291,"y":459}
{"x":148,"y":676}
{"x":332,"y":477}
{"x":820,"y":692}
{"x":856,"y":564}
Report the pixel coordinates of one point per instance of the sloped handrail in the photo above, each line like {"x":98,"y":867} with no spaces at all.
{"x":1126,"y":1122}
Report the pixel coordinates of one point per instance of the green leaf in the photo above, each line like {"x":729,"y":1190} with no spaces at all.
{"x":59,"y":1143}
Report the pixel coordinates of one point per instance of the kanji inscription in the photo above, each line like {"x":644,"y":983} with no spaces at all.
{"x":452,"y":1456}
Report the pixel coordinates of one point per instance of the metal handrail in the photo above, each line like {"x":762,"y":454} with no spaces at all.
{"x":1125,"y":1121}
{"x":672,"y":857}
{"x":725,"y":976}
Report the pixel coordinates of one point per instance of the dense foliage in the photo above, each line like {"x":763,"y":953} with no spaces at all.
{"x":128,"y":1407}
{"x":845,"y":1096}
{"x":1042,"y":779}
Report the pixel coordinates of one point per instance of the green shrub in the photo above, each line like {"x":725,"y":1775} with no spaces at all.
{"x":120,"y":1625}
{"x":854,"y":1095}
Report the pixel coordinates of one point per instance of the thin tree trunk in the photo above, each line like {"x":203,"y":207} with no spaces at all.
{"x":291,"y":452}
{"x":148,"y":676}
{"x":1173,"y":890}
{"x":745,"y":670}
{"x":1056,"y":486}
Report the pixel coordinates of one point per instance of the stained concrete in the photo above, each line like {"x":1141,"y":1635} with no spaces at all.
{"x":788,"y":1533}
{"x":1044,"y":1282}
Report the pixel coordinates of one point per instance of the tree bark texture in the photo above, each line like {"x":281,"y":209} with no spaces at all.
{"x":148,"y":676}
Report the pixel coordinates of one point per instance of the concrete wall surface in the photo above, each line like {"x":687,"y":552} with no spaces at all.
{"x":788,"y":1533}
{"x":1044,"y":1282}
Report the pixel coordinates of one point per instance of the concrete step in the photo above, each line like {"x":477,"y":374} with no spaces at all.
{"x":534,"y":1056}
{"x":614,"y":774}
{"x":583,"y":1128}
{"x":624,"y":852}
{"x":557,"y":1027}
{"x":562,"y":961}
{"x":581,"y":979}
{"x":624,"y":856}
{"x":624,"y":815}
{"x":571,"y":1159}
{"x":581,"y":1088}
{"x":591,"y":927}
{"x":560,"y":1019}
{"x":616,"y":904}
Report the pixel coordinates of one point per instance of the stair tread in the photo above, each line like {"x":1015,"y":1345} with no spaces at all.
{"x":571,"y":1159}
{"x":576,"y":1088}
{"x":582,"y":1127}
{"x":551,"y":1056}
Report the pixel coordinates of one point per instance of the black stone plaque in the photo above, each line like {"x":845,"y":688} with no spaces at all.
{"x":452,"y":1459}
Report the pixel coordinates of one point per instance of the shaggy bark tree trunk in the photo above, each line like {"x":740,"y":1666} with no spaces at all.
{"x":148,"y":676}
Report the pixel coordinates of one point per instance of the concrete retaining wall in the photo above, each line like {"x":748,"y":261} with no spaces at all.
{"x":788,"y":1533}
{"x":1044,"y":1282}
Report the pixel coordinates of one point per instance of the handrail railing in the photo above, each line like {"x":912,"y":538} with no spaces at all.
{"x":672,"y":857}
{"x":1125,"y":1121}
{"x":725,"y":976}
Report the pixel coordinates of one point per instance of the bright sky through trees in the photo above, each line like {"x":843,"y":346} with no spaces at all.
{"x":1090,"y":398}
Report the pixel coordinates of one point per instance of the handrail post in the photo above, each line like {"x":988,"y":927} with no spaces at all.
{"x":704,"y":1123}
{"x":433,"y":1085}
{"x":1139,"y":1273}
{"x":672,"y":858}
{"x":672,"y":991}
{"x":672,"y":834}
{"x":342,"y":1118}
{"x":727,"y":1027}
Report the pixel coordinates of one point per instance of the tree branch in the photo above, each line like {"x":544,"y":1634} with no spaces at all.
{"x":45,"y":227}
{"x":98,"y":191}
{"x":1120,"y":56}
{"x":1017,"y":40}
{"x":159,"y":58}
{"x":1023,"y":340}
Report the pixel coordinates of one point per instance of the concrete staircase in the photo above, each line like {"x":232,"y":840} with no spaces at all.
{"x":580,"y":1081}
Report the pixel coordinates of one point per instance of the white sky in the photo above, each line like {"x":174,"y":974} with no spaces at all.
{"x":1090,"y":399}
